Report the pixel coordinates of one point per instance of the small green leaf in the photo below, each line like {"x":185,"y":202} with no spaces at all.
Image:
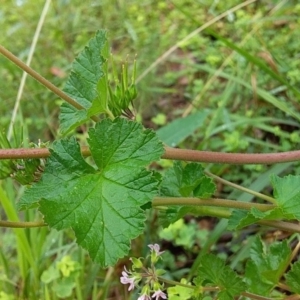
{"x":102,"y":204}
{"x":255,"y":283}
{"x":242,"y":218}
{"x":49,"y":275}
{"x":212,"y":270}
{"x":292,"y":278}
{"x":187,"y":181}
{"x":287,"y":195}
{"x":270,"y":263}
{"x":178,"y":292}
{"x":82,"y":84}
{"x":63,"y":288}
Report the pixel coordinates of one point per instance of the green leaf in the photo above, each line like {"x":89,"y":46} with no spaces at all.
{"x":213,"y":271}
{"x":287,"y":195}
{"x":270,"y":263}
{"x":101,"y":204}
{"x":63,"y":288}
{"x":255,"y":284}
{"x":82,"y":84}
{"x":177,"y":131}
{"x":242,"y":218}
{"x":187,"y":181}
{"x":292,"y":278}
{"x":178,"y":292}
{"x":49,"y":275}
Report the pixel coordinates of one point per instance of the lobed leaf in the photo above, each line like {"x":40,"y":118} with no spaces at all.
{"x":184,"y":181}
{"x":213,"y":271}
{"x":287,"y":196}
{"x":292,"y":278}
{"x":87,"y":70}
{"x":101,"y":204}
{"x":266,"y":265}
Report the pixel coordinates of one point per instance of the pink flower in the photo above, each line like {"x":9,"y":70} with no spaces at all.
{"x":158,"y":294}
{"x":144,"y":297}
{"x":125,"y":279}
{"x":156,"y":249}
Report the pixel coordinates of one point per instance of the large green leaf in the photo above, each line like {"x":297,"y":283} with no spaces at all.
{"x":101,"y":204}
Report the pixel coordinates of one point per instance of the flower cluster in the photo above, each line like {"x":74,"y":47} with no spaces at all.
{"x":148,"y":278}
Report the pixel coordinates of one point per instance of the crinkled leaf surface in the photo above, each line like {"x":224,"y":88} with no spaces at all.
{"x":287,"y":196}
{"x":184,"y":181}
{"x":270,"y":263}
{"x":101,"y":204}
{"x":213,"y":271}
{"x":292,"y":278}
{"x":255,"y":284}
{"x":242,"y":218}
{"x":82,"y":85}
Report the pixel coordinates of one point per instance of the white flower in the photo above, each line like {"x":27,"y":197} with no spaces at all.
{"x":156,"y":249}
{"x":125,"y":279}
{"x":158,"y":294}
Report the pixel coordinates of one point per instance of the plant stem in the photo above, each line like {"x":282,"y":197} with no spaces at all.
{"x":9,"y":224}
{"x":219,"y":212}
{"x":42,"y":80}
{"x":163,"y":201}
{"x":210,"y":289}
{"x":231,"y":158}
{"x":176,"y":154}
{"x":254,"y":296}
{"x":241,"y":188}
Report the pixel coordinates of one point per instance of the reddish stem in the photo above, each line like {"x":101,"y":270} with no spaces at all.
{"x":176,"y":154}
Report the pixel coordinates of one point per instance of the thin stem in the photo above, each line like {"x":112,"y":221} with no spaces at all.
{"x":176,"y":154}
{"x":162,"y":201}
{"x":172,"y":282}
{"x":219,"y":212}
{"x":42,"y":80}
{"x":254,"y":296}
{"x":9,"y":224}
{"x":210,"y":289}
{"x":241,"y":188}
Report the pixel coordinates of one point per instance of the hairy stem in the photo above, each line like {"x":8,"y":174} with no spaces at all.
{"x":176,"y":154}
{"x":219,"y":212}
{"x":9,"y":224}
{"x":163,"y":201}
{"x":241,"y":188}
{"x":231,"y":158}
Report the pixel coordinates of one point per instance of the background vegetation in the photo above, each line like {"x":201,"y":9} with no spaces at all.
{"x":237,"y":82}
